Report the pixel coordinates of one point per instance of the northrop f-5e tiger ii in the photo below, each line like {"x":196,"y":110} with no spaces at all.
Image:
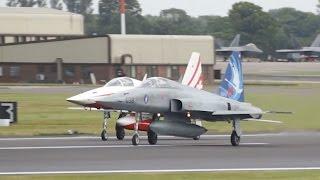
{"x":178,"y":104}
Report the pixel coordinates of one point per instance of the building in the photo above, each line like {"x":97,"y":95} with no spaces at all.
{"x":25,"y":24}
{"x":67,"y":56}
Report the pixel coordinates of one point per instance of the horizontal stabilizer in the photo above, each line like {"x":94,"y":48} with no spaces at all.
{"x":221,"y":113}
{"x":278,"y":112}
{"x":263,"y":120}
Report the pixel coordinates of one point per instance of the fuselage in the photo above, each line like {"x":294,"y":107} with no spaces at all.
{"x":155,"y":98}
{"x":114,"y":86}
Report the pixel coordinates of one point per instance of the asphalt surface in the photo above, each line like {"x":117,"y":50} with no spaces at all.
{"x":77,"y":154}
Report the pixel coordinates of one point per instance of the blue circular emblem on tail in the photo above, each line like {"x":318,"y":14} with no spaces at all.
{"x":146,"y":99}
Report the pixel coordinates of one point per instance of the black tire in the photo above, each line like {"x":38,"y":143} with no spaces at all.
{"x":235,"y":139}
{"x":135,"y":140}
{"x":120,"y":133}
{"x":104,"y":135}
{"x":152,"y":137}
{"x":196,"y":138}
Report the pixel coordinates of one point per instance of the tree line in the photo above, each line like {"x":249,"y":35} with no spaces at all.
{"x":275,"y":29}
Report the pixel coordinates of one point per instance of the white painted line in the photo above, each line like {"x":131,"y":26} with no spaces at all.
{"x":113,"y":137}
{"x":106,"y":146}
{"x":51,"y":138}
{"x":254,"y":143}
{"x":78,"y":147}
{"x":160,"y":171}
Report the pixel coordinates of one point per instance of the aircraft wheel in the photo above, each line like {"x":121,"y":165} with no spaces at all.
{"x":120,"y":133}
{"x":104,"y":135}
{"x":135,"y":140}
{"x":152,"y":137}
{"x":235,"y":139}
{"x":196,"y":138}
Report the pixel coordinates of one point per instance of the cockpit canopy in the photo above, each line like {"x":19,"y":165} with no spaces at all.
{"x":121,"y":81}
{"x":157,"y":82}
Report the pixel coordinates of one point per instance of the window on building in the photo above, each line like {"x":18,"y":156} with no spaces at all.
{"x":175,"y":72}
{"x":41,"y":69}
{"x":53,"y":68}
{"x":69,"y":71}
{"x":85,"y":70}
{"x":169,"y":74}
{"x":1,"y":71}
{"x":152,"y":71}
{"x":14,"y":71}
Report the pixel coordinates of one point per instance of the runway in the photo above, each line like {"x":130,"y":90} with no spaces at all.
{"x":90,"y":154}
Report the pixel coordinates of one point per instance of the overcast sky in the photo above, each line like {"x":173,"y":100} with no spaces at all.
{"x":215,"y":7}
{"x":221,"y":7}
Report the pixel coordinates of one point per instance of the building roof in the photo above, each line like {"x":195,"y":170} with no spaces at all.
{"x":31,"y":10}
{"x":39,"y":21}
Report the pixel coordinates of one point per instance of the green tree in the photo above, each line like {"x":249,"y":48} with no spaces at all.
{"x":83,"y":7}
{"x":26,"y":3}
{"x":300,"y":27}
{"x":254,"y":25}
{"x":318,"y":6}
{"x":177,"y":21}
{"x":109,"y":16}
{"x":56,"y":4}
{"x":217,"y":26}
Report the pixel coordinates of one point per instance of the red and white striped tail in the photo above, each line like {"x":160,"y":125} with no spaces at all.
{"x":193,"y":74}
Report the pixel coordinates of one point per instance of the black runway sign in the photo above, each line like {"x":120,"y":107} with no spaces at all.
{"x":8,"y":110}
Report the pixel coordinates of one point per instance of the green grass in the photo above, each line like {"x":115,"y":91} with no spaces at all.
{"x":47,"y":114}
{"x":283,"y":175}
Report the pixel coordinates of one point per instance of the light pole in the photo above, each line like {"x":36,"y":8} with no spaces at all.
{"x":122,"y":4}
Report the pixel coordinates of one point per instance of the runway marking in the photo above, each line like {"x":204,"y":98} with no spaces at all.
{"x":79,"y":147}
{"x":160,"y":171}
{"x":144,"y":137}
{"x":107,"y":146}
{"x":254,"y":143}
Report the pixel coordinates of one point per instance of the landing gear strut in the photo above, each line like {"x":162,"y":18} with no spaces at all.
{"x":104,"y":134}
{"x":236,"y":133}
{"x":120,"y":133}
{"x":135,"y":137}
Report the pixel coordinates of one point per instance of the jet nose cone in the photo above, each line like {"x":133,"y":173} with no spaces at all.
{"x":78,"y":100}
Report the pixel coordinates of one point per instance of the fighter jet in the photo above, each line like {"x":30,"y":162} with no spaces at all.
{"x":192,"y":77}
{"x":314,"y":48}
{"x":235,"y":46}
{"x":178,"y":104}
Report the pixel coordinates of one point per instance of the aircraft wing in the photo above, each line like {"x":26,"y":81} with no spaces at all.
{"x":221,"y":113}
{"x":190,"y":105}
{"x":289,"y":51}
{"x":303,"y":50}
{"x":93,"y":109}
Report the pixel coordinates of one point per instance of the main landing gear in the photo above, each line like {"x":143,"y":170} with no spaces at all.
{"x":236,"y":133}
{"x":120,"y":133}
{"x":152,"y":136}
{"x":135,"y":137}
{"x":104,"y":134}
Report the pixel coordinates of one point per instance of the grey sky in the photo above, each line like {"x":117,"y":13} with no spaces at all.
{"x":215,"y":7}
{"x":221,"y":7}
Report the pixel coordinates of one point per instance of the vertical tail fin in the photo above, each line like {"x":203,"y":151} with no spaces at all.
{"x":232,"y":83}
{"x":236,"y":41}
{"x":316,"y":42}
{"x":193,"y":74}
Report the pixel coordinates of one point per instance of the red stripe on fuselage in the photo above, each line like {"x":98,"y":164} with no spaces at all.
{"x":143,"y":125}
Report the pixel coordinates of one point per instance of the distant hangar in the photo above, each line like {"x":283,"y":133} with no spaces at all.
{"x":66,"y":55}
